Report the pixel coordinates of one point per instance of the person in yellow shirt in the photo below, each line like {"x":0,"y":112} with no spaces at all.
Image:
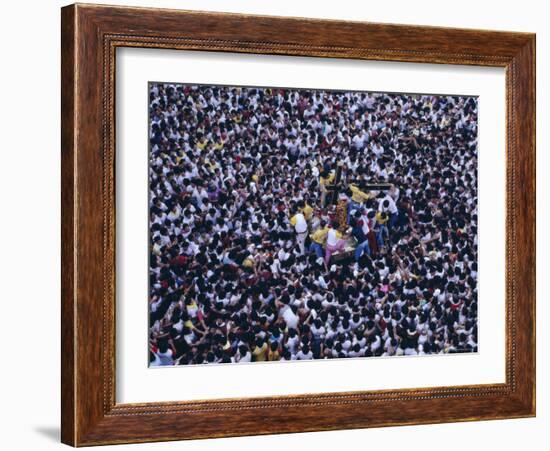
{"x":202,"y":142}
{"x":218,"y":145}
{"x":248,"y":263}
{"x":318,"y":239}
{"x":307,"y":210}
{"x":259,"y":353}
{"x":382,"y":219}
{"x":212,"y":165}
{"x":358,"y":197}
{"x":273,"y":353}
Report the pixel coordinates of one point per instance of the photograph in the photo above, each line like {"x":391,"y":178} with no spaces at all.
{"x":298,"y":224}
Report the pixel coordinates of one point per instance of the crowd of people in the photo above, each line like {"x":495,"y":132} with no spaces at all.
{"x":270,"y":240}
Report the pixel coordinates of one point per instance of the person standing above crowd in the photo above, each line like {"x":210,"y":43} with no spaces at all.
{"x":299,"y":223}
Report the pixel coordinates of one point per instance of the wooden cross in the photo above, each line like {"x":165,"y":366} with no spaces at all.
{"x":339,"y":186}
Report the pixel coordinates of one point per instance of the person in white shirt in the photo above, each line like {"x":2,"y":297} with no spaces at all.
{"x":388,"y":205}
{"x":243,"y":354}
{"x":304,"y":353}
{"x":300,"y":228}
{"x":290,"y":316}
{"x":164,"y":355}
{"x":335,"y":243}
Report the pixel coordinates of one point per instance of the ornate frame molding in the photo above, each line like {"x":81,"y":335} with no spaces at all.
{"x":90,"y":36}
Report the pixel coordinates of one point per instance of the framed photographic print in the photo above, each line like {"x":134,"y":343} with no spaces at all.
{"x":322,"y":230}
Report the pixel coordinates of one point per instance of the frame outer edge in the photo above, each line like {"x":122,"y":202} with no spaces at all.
{"x":525,"y":63}
{"x":533,"y":120}
{"x":85,"y":420}
{"x":68,"y":225}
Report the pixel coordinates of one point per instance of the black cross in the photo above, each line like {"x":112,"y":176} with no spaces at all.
{"x":337,"y":186}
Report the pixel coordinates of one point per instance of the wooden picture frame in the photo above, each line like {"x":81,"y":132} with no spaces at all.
{"x":90,"y":35}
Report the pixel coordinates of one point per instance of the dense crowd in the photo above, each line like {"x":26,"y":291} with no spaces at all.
{"x":250,"y":256}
